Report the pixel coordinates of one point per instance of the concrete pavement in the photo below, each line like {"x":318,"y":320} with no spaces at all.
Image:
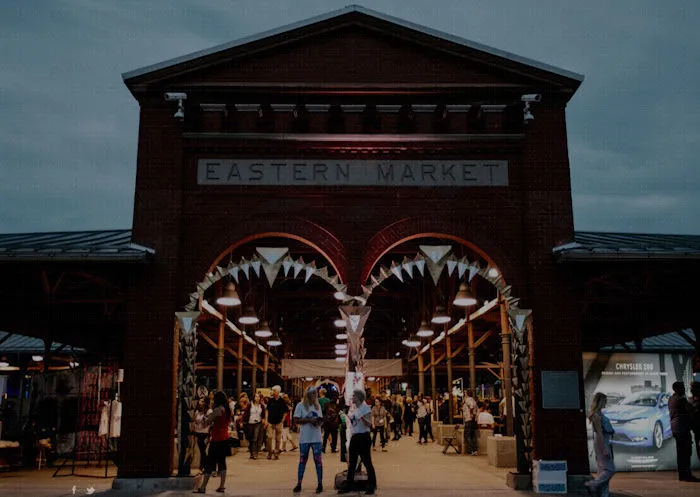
{"x":405,"y":470}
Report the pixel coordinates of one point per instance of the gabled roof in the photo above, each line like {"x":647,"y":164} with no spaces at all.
{"x":361,"y":12}
{"x":79,"y":246}
{"x":677,"y":341}
{"x":594,"y":246}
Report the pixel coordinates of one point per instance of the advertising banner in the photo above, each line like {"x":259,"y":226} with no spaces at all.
{"x":638,"y":387}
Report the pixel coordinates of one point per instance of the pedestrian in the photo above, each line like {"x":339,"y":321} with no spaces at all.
{"x":429,"y":419}
{"x":421,"y":414}
{"x":409,"y":416}
{"x":274,"y":413}
{"x":343,"y":432}
{"x":680,"y":410}
{"x":469,"y":413}
{"x":286,"y":427}
{"x":695,"y":414}
{"x":253,"y":417}
{"x":397,"y":416}
{"x":309,"y":416}
{"x":331,"y":420}
{"x":361,"y":421}
{"x":201,"y":430}
{"x":322,"y":399}
{"x":378,"y":424}
{"x":602,"y":434}
{"x":219,"y":448}
{"x":387,"y":403}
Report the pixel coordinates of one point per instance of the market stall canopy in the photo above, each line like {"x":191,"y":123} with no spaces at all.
{"x":299,"y":368}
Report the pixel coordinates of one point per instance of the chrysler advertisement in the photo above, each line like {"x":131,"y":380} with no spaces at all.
{"x":638,"y":387}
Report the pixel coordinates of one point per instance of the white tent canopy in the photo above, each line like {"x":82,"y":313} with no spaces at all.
{"x":300,"y":368}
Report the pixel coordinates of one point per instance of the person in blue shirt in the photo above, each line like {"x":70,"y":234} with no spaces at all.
{"x":309,"y":417}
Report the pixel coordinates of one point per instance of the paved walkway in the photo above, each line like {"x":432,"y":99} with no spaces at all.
{"x":405,"y":470}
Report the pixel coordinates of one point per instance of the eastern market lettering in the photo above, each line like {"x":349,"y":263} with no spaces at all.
{"x":352,"y":173}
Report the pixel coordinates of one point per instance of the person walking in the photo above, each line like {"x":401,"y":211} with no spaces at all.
{"x":409,"y":416}
{"x":286,"y":427}
{"x":274,"y":413}
{"x":421,"y":413}
{"x":343,"y":432}
{"x":602,"y":434}
{"x":695,"y":413}
{"x":397,"y":416}
{"x":469,"y":412}
{"x":331,"y":420}
{"x":309,"y":416}
{"x":201,"y":430}
{"x":253,"y":417}
{"x":378,"y":424}
{"x":387,"y":403}
{"x":361,"y":421}
{"x":679,"y":409}
{"x":428,"y":419}
{"x":219,"y":448}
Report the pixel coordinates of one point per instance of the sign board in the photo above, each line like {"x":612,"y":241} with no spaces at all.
{"x":333,"y":172}
{"x":560,"y":390}
{"x":638,"y":387}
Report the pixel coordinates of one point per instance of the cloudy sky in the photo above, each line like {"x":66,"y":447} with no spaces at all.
{"x":68,"y":128}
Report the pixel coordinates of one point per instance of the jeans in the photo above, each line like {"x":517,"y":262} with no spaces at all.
{"x":360,"y":447}
{"x":422,"y":430}
{"x":408,"y":427}
{"x":254,"y":431}
{"x":429,"y":428}
{"x":304,"y":456}
{"x":470,"y":428}
{"x":343,"y":444}
{"x":382,"y":436}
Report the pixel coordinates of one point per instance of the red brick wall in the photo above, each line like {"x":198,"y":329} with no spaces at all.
{"x":191,"y":225}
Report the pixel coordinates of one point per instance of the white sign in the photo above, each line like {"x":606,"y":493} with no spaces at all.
{"x":327,"y":172}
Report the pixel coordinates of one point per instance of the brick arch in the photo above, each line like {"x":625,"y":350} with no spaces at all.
{"x":411,"y":228}
{"x":294,"y":228}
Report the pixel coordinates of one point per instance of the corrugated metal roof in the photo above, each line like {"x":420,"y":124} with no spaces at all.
{"x":22,"y":344}
{"x":337,"y":13}
{"x":676,"y":341}
{"x":105,"y":245}
{"x":588,"y":245}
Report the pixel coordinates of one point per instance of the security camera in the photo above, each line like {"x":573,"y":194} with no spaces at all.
{"x":531,"y":97}
{"x":175,"y":96}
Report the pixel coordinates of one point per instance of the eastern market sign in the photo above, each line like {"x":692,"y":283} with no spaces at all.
{"x":327,"y":172}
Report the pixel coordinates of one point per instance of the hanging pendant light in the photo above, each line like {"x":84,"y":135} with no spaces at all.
{"x":249,"y":316}
{"x":230,"y":296}
{"x":339,"y":323}
{"x":274,"y":341}
{"x":340,"y":359}
{"x":425,"y":330}
{"x":340,"y":352}
{"x":341,"y":346}
{"x":264,"y":331}
{"x":413,"y":341}
{"x":341,"y":336}
{"x":465,"y":297}
{"x":440,"y":316}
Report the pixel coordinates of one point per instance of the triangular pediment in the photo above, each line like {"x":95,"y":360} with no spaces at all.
{"x":353,"y":46}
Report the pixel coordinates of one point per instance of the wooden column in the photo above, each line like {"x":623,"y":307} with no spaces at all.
{"x":448,"y":357}
{"x":421,"y":374}
{"x":472,"y":356}
{"x":254,"y":369}
{"x":239,"y":373}
{"x":507,"y":369}
{"x":433,"y":381}
{"x":266,"y":365}
{"x":220,"y":350}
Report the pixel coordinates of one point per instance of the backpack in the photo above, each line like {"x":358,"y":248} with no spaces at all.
{"x":331,"y":418}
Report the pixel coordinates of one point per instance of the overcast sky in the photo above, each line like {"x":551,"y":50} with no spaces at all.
{"x":68,"y":125}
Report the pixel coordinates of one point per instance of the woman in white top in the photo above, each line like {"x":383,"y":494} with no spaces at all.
{"x":253,"y":417}
{"x":360,"y":444}
{"x":201,"y":430}
{"x":421,"y":414}
{"x":602,"y":434}
{"x":309,"y":417}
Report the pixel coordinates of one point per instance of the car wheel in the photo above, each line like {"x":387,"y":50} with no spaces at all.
{"x":658,"y":436}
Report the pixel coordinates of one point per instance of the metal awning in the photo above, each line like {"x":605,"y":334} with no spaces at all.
{"x":599,"y":246}
{"x":73,"y":246}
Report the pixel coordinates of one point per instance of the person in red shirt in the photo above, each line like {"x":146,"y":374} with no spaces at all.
{"x":219,"y":448}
